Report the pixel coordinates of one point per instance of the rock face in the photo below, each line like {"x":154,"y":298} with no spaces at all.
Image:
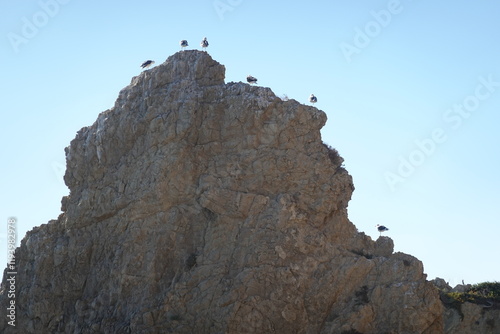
{"x":470,"y":318}
{"x":461,"y":316}
{"x":197,"y":206}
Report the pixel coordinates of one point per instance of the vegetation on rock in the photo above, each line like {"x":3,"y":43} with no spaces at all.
{"x":486,"y":294}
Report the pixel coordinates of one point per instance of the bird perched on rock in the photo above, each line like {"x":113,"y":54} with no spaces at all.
{"x":147,"y":63}
{"x":251,"y":80}
{"x":381,"y":228}
{"x":313,"y":99}
{"x":204,"y":43}
{"x":184,"y":43}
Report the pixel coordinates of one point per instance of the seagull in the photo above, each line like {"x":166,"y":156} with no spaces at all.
{"x":251,"y":80}
{"x":313,"y":99}
{"x":147,"y":63}
{"x":204,"y":43}
{"x":381,"y":228}
{"x":184,"y":43}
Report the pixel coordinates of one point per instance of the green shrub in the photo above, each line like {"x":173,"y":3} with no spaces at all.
{"x":486,"y":289}
{"x":487,"y":293}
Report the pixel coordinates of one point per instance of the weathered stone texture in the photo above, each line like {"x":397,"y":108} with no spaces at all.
{"x":197,"y":206}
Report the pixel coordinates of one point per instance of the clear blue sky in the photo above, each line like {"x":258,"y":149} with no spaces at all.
{"x":411,"y":90}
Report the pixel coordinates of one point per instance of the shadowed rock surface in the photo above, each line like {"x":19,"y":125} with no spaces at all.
{"x":197,"y":206}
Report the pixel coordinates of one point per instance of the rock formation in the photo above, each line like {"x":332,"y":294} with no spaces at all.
{"x":465,"y":315}
{"x":197,"y":206}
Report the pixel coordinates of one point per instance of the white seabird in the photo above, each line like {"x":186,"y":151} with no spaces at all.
{"x":381,"y":228}
{"x":184,"y":43}
{"x":251,"y":80}
{"x":313,"y":99}
{"x":204,"y":43}
{"x":147,"y":63}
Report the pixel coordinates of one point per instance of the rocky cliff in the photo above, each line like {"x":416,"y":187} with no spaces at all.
{"x":197,"y":206}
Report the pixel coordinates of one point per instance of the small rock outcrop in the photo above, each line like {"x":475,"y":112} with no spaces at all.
{"x":468,"y":312}
{"x":197,"y":206}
